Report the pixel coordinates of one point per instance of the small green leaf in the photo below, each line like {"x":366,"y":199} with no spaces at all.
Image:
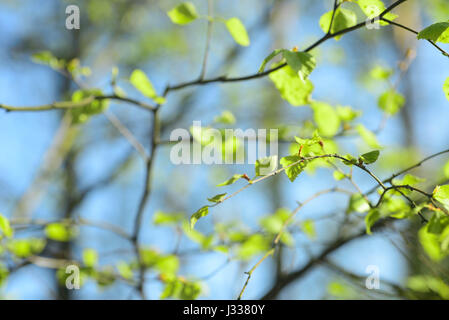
{"x":294,"y":166}
{"x":381,"y":73}
{"x":183,"y":14}
{"x":350,"y":160}
{"x":338,"y":175}
{"x":438,"y":32}
{"x":347,"y":113}
{"x":81,"y":115}
{"x":48,"y":59}
{"x":368,"y":136}
{"x":198,"y":237}
{"x":438,"y":223}
{"x":125,"y":270}
{"x":358,"y":203}
{"x":446,"y":169}
{"x":409,"y":180}
{"x":370,"y":157}
{"x":255,"y":244}
{"x":446,"y":88}
{"x":270,"y":57}
{"x":231,"y":181}
{"x":141,"y":82}
{"x":343,"y":19}
{"x":426,"y":284}
{"x":168,"y":264}
{"x":204,"y":211}
{"x":391,"y":102}
{"x":431,"y":244}
{"x":302,"y":63}
{"x":373,"y":8}
{"x":23,"y":248}
{"x":225,"y":118}
{"x":291,"y":87}
{"x":371,"y":218}
{"x":326,"y":118}
{"x":218,"y":198}
{"x":162,"y":218}
{"x":90,"y":258}
{"x":308,"y":227}
{"x":5,"y":227}
{"x":441,"y":194}
{"x":58,"y":232}
{"x":238,"y":31}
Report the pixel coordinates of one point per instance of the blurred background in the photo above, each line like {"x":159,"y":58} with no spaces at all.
{"x":98,"y":180}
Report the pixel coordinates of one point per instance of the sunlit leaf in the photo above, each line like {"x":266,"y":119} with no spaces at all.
{"x":204,"y":211}
{"x":183,"y":14}
{"x":438,"y":32}
{"x":238,"y":31}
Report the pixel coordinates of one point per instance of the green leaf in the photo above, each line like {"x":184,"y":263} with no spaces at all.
{"x":183,"y":14}
{"x":338,"y":175}
{"x":441,"y":194}
{"x":391,"y":102}
{"x":343,"y":19}
{"x":302,"y":63}
{"x":373,"y":8}
{"x":168,"y":264}
{"x":270,"y":57}
{"x":347,"y":113}
{"x":291,"y":87}
{"x":265,"y":165}
{"x":234,"y":178}
{"x":308,"y":227}
{"x":162,"y":218}
{"x":350,"y":160}
{"x":272,"y":224}
{"x":90,"y":258}
{"x":408,"y":180}
{"x":58,"y":232}
{"x":125,"y":270}
{"x":438,"y":32}
{"x":358,"y":203}
{"x":368,"y":136}
{"x":204,"y":211}
{"x":446,"y":169}
{"x":218,"y":198}
{"x":5,"y":227}
{"x":370,"y":157}
{"x":426,"y":283}
{"x":141,"y":82}
{"x":446,"y":88}
{"x":24,"y":248}
{"x":238,"y":31}
{"x":255,"y":244}
{"x":225,"y":118}
{"x":4,"y":272}
{"x":48,"y":59}
{"x":381,"y":73}
{"x":438,"y":223}
{"x":431,"y":244}
{"x":81,"y":115}
{"x":326,"y":118}
{"x":293,"y":170}
{"x":198,"y":237}
{"x":371,"y":218}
